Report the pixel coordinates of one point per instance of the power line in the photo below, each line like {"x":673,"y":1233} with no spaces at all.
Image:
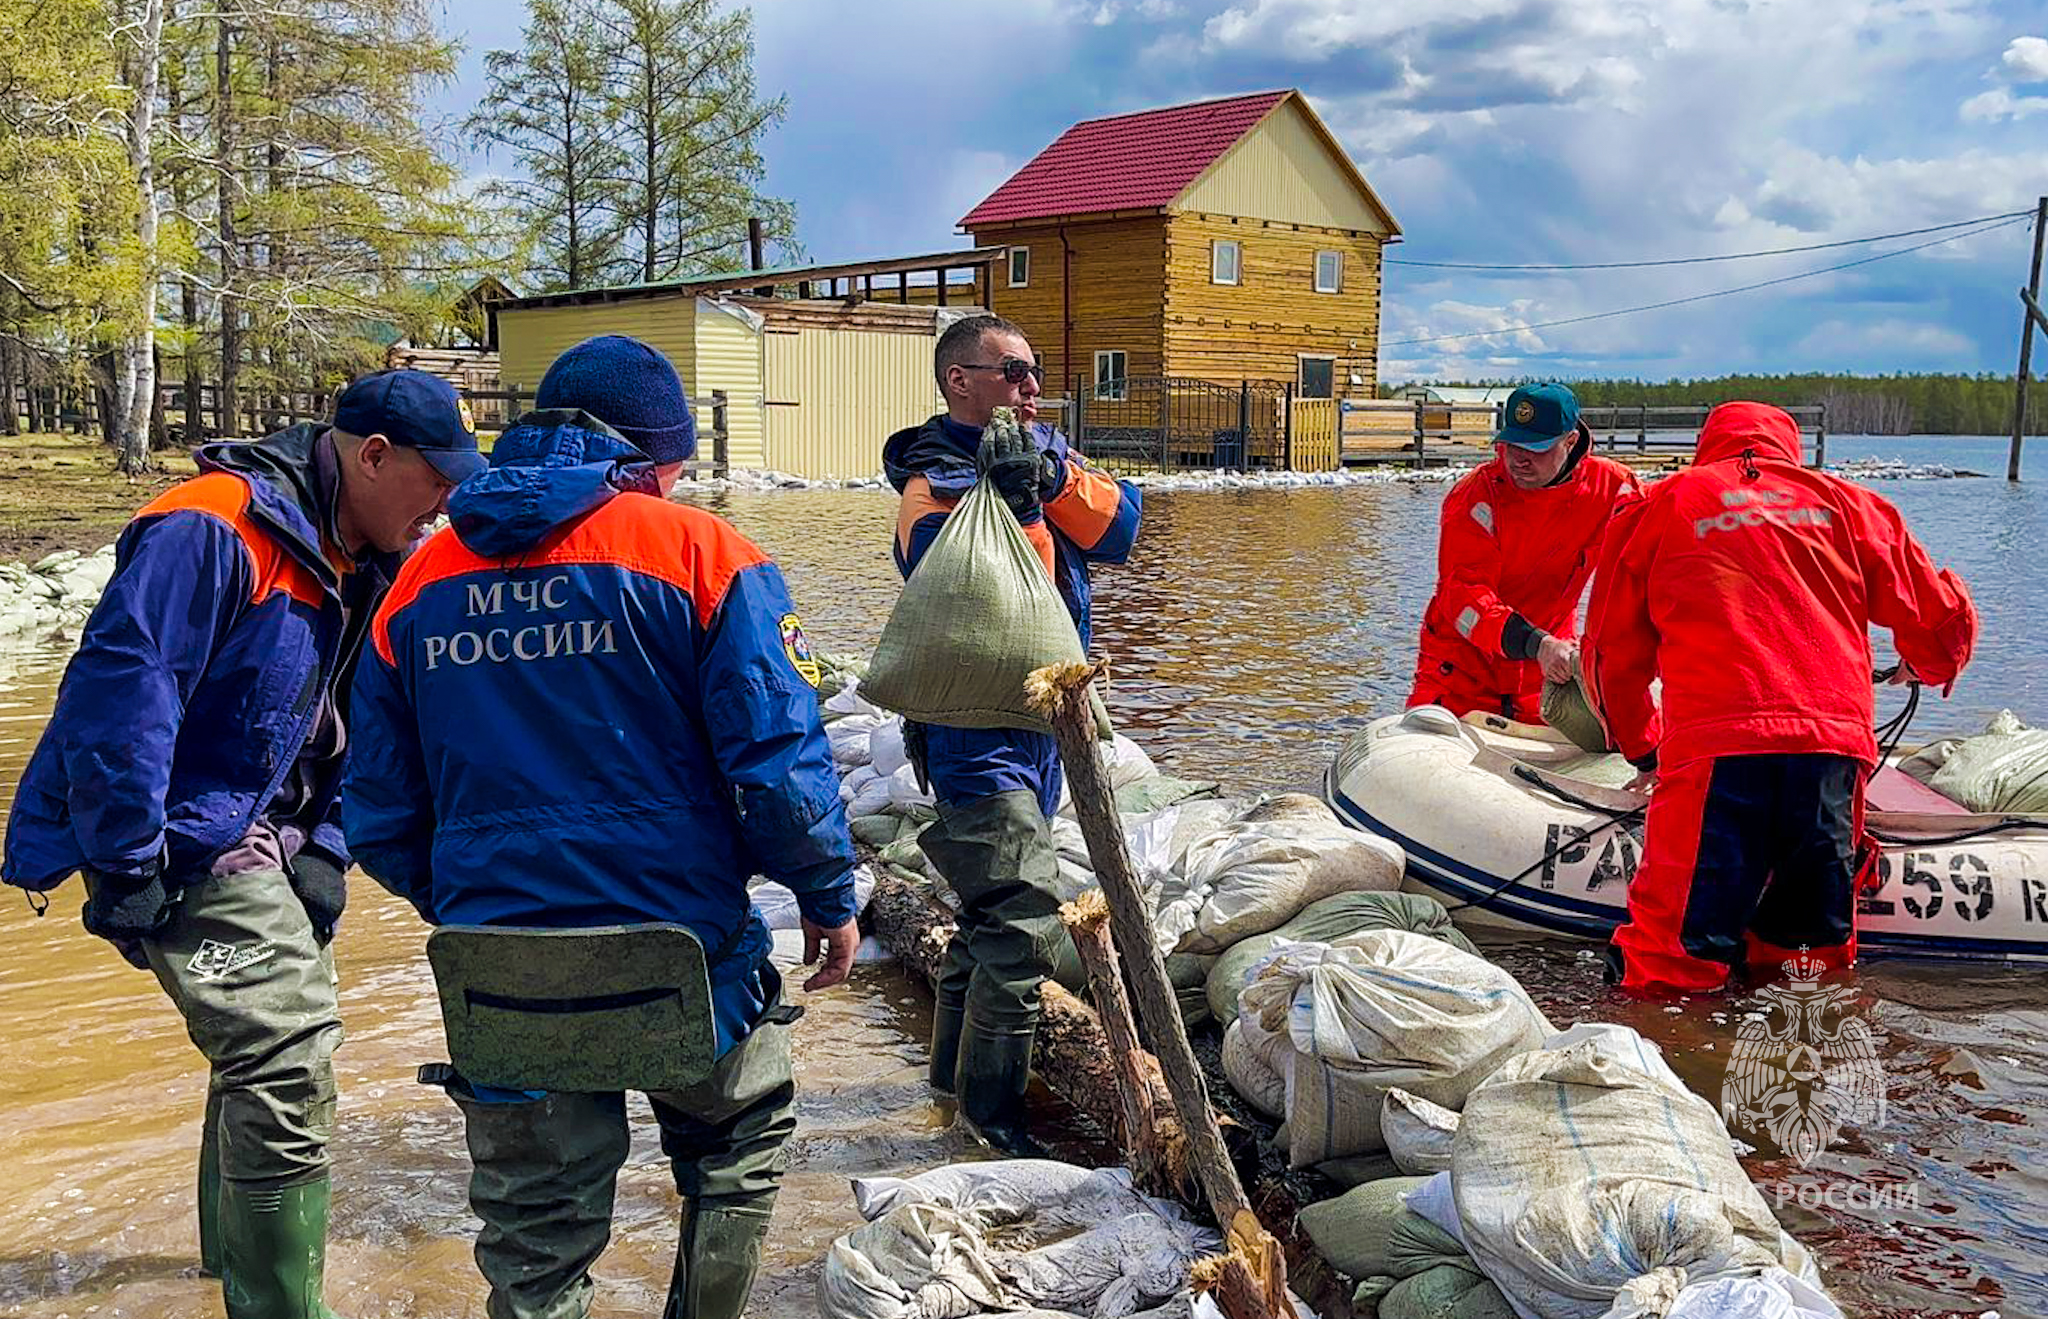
{"x":1706,"y":260}
{"x":2003,"y":223}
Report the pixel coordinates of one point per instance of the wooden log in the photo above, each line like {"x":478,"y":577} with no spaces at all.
{"x":1059,"y":694}
{"x":1150,"y":1132}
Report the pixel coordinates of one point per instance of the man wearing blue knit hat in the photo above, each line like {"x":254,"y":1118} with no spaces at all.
{"x":583,"y":708}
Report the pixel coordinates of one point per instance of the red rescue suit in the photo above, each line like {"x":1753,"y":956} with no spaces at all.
{"x":1748,"y":584}
{"x":1504,"y":552}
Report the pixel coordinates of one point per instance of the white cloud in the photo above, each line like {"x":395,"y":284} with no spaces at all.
{"x":1999,"y":103}
{"x":1908,"y":342}
{"x":2025,"y":60}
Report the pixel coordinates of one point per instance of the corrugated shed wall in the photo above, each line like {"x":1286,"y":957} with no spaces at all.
{"x":530,"y":339}
{"x":729,"y":358}
{"x":835,"y":395}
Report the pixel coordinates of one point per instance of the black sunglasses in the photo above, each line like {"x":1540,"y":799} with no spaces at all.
{"x":1014,"y":369}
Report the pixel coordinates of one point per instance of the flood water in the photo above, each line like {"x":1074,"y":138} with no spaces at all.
{"x":1251,"y":634}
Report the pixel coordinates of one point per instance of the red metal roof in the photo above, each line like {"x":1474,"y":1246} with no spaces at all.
{"x":1127,"y":162}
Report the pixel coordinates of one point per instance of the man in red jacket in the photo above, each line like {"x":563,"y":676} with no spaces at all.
{"x":1748,"y":583}
{"x":1517,"y":544}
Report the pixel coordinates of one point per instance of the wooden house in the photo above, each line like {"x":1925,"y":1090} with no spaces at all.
{"x":1228,"y":241}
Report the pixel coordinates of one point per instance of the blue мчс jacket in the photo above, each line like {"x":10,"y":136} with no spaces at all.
{"x":1088,"y":518}
{"x":582,"y":706}
{"x":197,"y":677}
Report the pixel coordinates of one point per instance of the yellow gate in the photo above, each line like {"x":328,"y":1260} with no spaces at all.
{"x":1315,"y":435}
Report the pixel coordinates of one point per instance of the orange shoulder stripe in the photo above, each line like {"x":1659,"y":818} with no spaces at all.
{"x":688,"y":548}
{"x":226,"y":496}
{"x":1086,"y":505}
{"x":920,"y":503}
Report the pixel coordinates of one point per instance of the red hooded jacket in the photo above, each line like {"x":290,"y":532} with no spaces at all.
{"x":1748,"y":583}
{"x":1502,"y":551}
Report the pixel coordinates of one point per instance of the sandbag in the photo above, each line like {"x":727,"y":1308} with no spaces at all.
{"x":2001,"y":771}
{"x":1188,"y":973}
{"x":1326,"y":922}
{"x":1073,"y":1240}
{"x":977,"y":616}
{"x":1448,"y":1291}
{"x":1419,"y":1134}
{"x":1256,"y":875}
{"x":778,"y":906}
{"x":1354,"y":1231}
{"x":1249,"y":1066}
{"x":1566,"y":709}
{"x":1160,"y":791}
{"x":1579,"y":1173}
{"x":877,"y":830}
{"x":1378,"y":1010}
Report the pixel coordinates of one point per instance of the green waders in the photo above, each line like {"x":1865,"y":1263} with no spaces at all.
{"x":546,"y":1169}
{"x":996,"y":853}
{"x":256,"y":989}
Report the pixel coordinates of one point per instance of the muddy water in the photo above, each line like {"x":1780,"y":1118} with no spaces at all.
{"x":1251,"y":635}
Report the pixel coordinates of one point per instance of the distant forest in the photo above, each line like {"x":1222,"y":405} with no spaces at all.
{"x":1857,"y":405}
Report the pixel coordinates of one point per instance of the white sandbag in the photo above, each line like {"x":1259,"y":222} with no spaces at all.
{"x":848,"y":701}
{"x":786,"y":951}
{"x":928,"y":1253}
{"x":1418,"y":1133}
{"x":885,"y":748}
{"x":1377,"y":1010}
{"x":1774,"y":1294}
{"x":864,"y":792}
{"x":1435,"y":1202}
{"x":902,"y":789}
{"x":1249,"y":1066}
{"x":1580,"y":1175}
{"x":778,"y":906}
{"x":1003,"y":1191}
{"x":852,"y":740}
{"x":2003,"y":770}
{"x":1254,"y":876}
{"x":1160,"y":839}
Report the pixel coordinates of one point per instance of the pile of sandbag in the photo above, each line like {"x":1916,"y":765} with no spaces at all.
{"x":1332,"y":1027}
{"x":2001,"y":771}
{"x":1405,"y":1266}
{"x":1009,"y":1236}
{"x":1589,"y":1183}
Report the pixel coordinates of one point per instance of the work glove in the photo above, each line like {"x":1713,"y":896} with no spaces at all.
{"x":123,"y":909}
{"x":1020,"y":471}
{"x":320,"y":889}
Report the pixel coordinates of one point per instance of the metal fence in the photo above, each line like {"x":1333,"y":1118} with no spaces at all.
{"x":1171,"y":424}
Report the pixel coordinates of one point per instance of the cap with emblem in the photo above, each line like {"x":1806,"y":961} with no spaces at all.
{"x":1538,"y":416}
{"x":416,"y":411}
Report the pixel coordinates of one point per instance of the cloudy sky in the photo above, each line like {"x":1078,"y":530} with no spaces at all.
{"x":1530,"y":132}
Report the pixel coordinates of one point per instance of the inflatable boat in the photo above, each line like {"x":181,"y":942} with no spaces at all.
{"x":1513,"y":828}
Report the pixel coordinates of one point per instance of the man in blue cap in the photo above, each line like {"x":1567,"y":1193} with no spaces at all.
{"x":1517,"y":541}
{"x":587,"y":707}
{"x":191,"y":771}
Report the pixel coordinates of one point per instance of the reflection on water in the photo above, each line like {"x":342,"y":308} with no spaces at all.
{"x":1250,"y":636}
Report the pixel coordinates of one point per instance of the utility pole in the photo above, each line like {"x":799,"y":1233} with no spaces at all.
{"x":2031,"y":317}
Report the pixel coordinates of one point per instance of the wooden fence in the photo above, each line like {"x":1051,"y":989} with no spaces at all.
{"x":1421,"y":432}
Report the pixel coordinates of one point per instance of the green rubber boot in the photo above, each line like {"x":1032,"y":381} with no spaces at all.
{"x":995,"y":1072}
{"x":274,"y":1250}
{"x":209,"y":1187}
{"x":716,"y":1261}
{"x":949,"y":1018}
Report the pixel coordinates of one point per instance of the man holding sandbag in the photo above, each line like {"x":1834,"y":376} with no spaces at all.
{"x":997,"y":788}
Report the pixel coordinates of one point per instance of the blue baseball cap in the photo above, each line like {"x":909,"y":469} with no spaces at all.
{"x":1538,"y":416}
{"x":421,"y":412}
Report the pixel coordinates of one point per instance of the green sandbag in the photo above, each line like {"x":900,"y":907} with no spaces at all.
{"x":1448,"y":1291}
{"x":1353,"y":1231}
{"x":1325,"y":921}
{"x":1566,"y":709}
{"x":977,"y":617}
{"x":1159,"y":792}
{"x":1188,"y":973}
{"x":2002,"y":771}
{"x":877,"y":830}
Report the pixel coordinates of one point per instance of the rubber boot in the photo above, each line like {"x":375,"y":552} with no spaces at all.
{"x":995,"y":1071}
{"x":209,"y":1187}
{"x":274,"y":1250}
{"x":949,"y":1018}
{"x":716,"y":1260}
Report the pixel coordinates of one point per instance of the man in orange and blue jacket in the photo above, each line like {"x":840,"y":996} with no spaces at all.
{"x":586,"y":706}
{"x":191,"y":771}
{"x":997,"y":789}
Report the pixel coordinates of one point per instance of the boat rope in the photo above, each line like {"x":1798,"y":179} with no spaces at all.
{"x":1579,"y":838}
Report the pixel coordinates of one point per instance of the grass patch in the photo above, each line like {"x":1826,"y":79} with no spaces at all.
{"x":61,"y":492}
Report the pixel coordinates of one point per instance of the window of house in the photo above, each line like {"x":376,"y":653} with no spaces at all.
{"x":1111,"y":375}
{"x":1329,"y":272}
{"x":1020,"y":267}
{"x":1318,"y":377}
{"x":1225,"y":259}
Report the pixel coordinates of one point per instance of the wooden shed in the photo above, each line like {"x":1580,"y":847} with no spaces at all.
{"x":1228,"y":241}
{"x":814,"y":386}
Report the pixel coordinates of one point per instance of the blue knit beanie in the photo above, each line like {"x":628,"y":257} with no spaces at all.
{"x":629,"y":387}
